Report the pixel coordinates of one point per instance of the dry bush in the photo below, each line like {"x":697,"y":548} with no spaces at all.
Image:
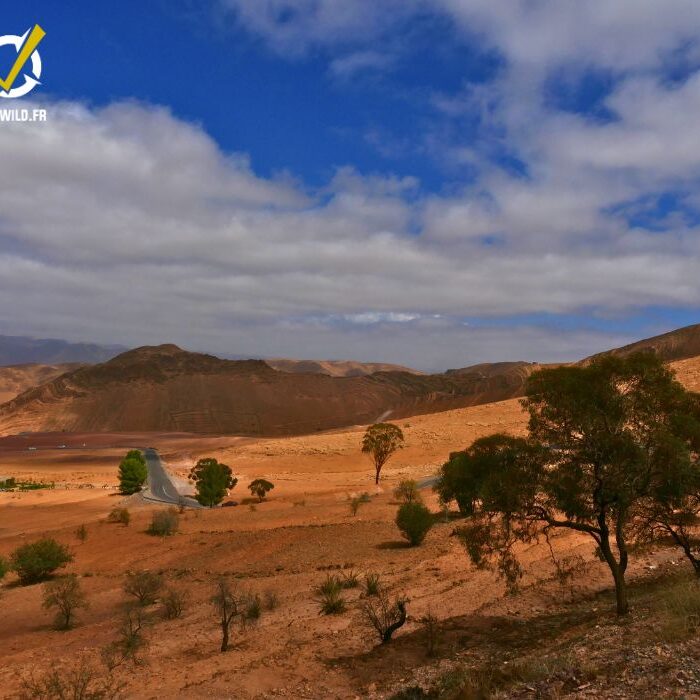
{"x":252,"y":608}
{"x":120,"y":516}
{"x":270,"y":600}
{"x":432,"y":633}
{"x":356,"y":501}
{"x":229,"y":605}
{"x":66,"y":596}
{"x":144,"y":586}
{"x":173,"y":602}
{"x":384,"y":615}
{"x":81,"y":682}
{"x":407,"y":492}
{"x":680,"y":604}
{"x":130,"y":640}
{"x":164,"y":523}
{"x":81,"y":533}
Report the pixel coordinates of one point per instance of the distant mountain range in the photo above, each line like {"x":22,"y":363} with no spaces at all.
{"x":164,"y":388}
{"x":21,"y":350}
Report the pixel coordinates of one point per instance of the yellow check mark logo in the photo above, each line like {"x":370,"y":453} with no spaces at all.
{"x":33,"y":40}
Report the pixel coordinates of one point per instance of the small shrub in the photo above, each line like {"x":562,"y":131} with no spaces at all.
{"x":164,"y":523}
{"x":173,"y":602}
{"x":329,"y":596}
{"x":351,"y":579}
{"x":119,"y":515}
{"x":66,"y":596}
{"x":81,"y":533}
{"x":372,"y":585}
{"x":80,"y":682}
{"x":4,"y":567}
{"x":144,"y":586}
{"x":407,"y":492}
{"x":385,"y":616}
{"x":252,"y":609}
{"x":681,"y":610}
{"x":356,"y":501}
{"x":36,"y":561}
{"x":270,"y":600}
{"x":432,"y":633}
{"x":414,"y":520}
{"x":130,"y":640}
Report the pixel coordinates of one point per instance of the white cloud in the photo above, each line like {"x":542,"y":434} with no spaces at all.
{"x":128,"y":225}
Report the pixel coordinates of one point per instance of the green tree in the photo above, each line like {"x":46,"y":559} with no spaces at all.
{"x":604,"y":438}
{"x":212,"y":481}
{"x":260,"y":488}
{"x":36,"y":561}
{"x":414,"y":520}
{"x":380,"y":441}
{"x":132,"y":472}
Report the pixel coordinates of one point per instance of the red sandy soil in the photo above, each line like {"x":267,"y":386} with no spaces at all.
{"x":286,"y":545}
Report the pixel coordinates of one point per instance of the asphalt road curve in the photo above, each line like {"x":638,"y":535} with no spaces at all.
{"x":160,"y":486}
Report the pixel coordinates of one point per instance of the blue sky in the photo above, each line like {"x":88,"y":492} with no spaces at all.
{"x":436,"y":183}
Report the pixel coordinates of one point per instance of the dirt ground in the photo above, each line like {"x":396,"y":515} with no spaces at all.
{"x":286,"y":545}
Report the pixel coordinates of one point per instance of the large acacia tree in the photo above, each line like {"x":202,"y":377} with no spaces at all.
{"x":605,"y":439}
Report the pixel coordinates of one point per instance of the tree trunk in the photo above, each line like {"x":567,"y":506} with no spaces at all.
{"x":376,"y":478}
{"x":224,"y":636}
{"x":618,"y":574}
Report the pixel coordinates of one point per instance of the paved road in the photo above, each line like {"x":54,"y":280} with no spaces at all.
{"x":160,"y":486}
{"x":429,"y":481}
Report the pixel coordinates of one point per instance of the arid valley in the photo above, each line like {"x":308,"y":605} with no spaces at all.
{"x":282,"y":549}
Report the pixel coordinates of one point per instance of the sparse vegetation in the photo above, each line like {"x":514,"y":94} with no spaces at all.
{"x":119,"y":515}
{"x":372,"y":585}
{"x":212,"y":481}
{"x":81,"y":682}
{"x":329,"y":596}
{"x":145,"y":586}
{"x":164,"y":523}
{"x":414,"y":520}
{"x":252,"y":608}
{"x":36,"y":561}
{"x":81,"y":533}
{"x":351,"y":579}
{"x":385,"y":615}
{"x":680,"y":610}
{"x":130,"y":641}
{"x":407,"y":492}
{"x":432,"y":633}
{"x":66,"y":597}
{"x":270,"y":600}
{"x":358,"y":500}
{"x":4,"y":567}
{"x":132,"y":473}
{"x":260,"y":488}
{"x":229,"y":604}
{"x":173,"y":602}
{"x":380,"y":442}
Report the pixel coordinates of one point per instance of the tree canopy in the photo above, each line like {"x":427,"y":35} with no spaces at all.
{"x":606,"y":441}
{"x":212,"y":481}
{"x":132,"y":472}
{"x":380,"y":441}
